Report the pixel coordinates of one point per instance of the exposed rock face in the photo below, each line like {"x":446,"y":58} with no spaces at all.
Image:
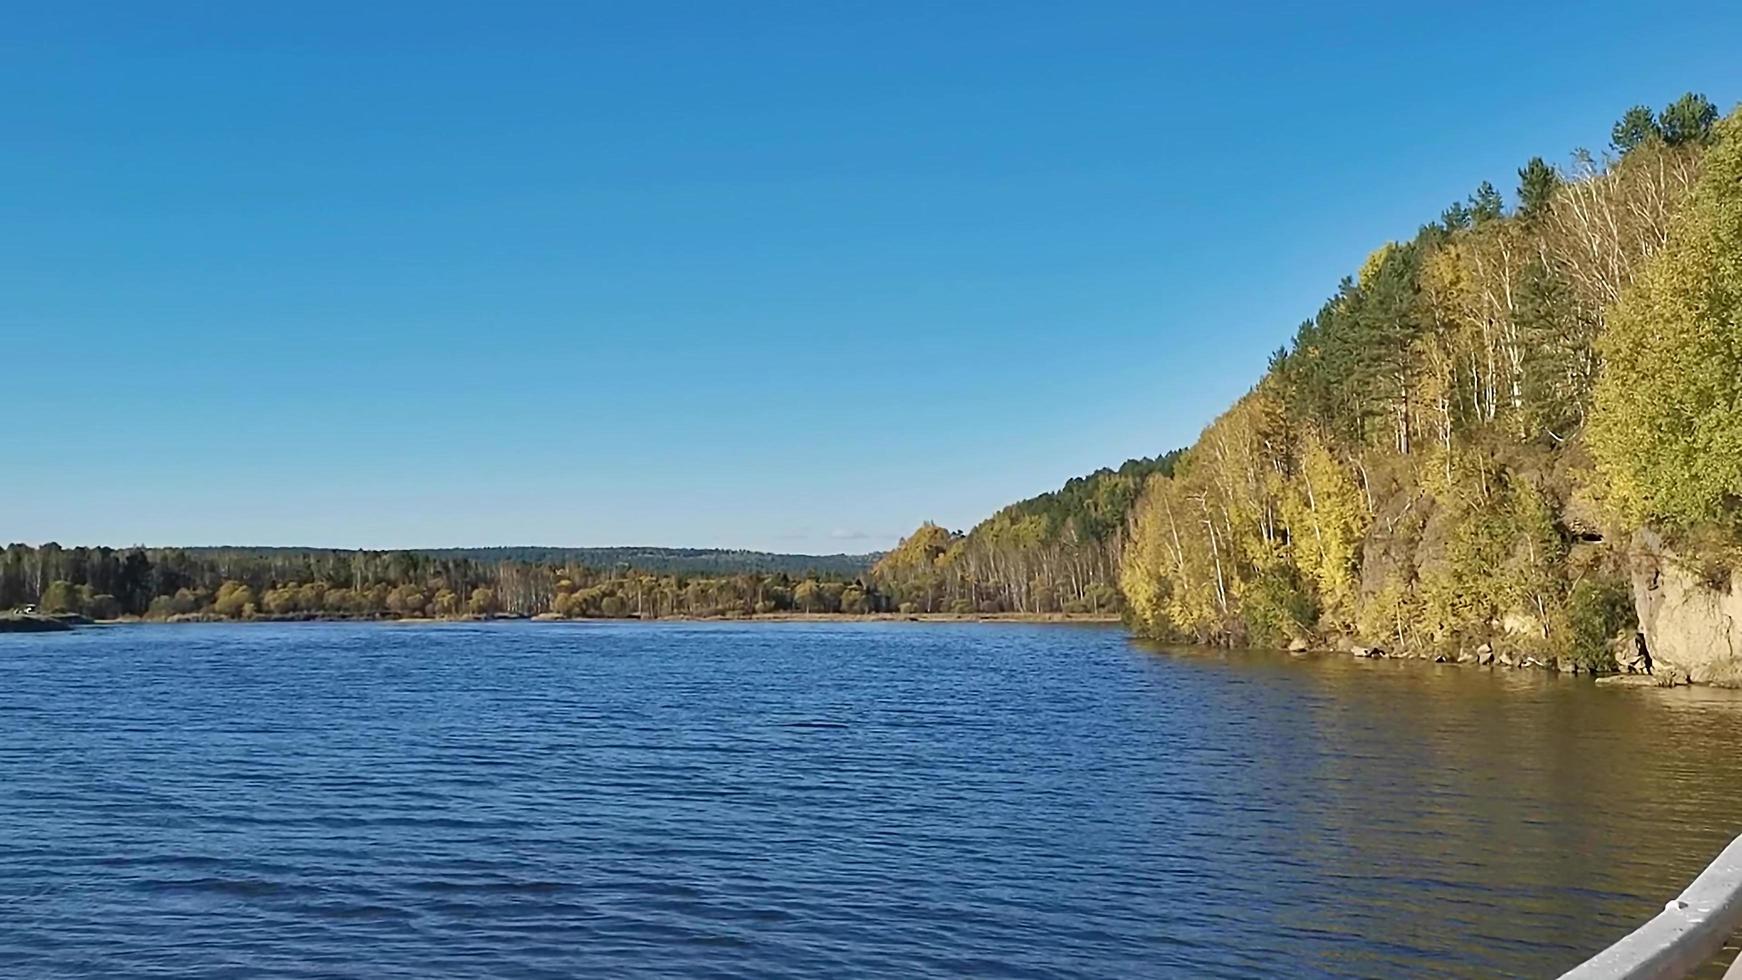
{"x":1691,"y":617}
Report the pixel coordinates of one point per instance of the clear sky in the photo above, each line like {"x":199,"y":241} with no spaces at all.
{"x":792,"y":276}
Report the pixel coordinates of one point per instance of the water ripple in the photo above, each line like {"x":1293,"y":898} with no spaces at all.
{"x":515,"y":800}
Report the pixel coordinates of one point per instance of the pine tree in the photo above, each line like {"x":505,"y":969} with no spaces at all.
{"x":1635,"y":127}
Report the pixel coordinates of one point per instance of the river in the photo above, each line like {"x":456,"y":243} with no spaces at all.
{"x":840,"y":800}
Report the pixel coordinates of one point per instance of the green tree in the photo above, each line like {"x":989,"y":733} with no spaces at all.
{"x":1666,"y":427}
{"x":1537,"y":182}
{"x":1598,"y":611}
{"x":1530,"y":576}
{"x":854,"y":600}
{"x":60,"y":597}
{"x":913,"y":569}
{"x":1635,"y":127}
{"x":1456,"y":216}
{"x":407,"y":600}
{"x":1486,"y":204}
{"x":1688,"y":119}
{"x":280,"y":601}
{"x":1327,"y":521}
{"x":808,"y":596}
{"x":235,"y":600}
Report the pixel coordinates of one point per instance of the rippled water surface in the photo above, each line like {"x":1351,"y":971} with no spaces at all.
{"x":545,"y":800}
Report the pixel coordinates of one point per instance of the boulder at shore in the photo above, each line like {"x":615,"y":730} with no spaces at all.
{"x":32,"y":624}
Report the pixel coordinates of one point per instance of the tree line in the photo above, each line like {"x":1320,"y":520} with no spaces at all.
{"x":675,"y":561}
{"x":1053,"y":553}
{"x":179,"y":584}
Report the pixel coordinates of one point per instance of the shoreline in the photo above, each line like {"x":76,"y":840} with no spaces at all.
{"x":1671,"y":677}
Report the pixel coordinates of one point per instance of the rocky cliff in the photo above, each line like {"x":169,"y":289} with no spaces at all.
{"x":1689,"y":610}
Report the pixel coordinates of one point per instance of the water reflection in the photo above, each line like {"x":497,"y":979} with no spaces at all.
{"x":1490,"y":821}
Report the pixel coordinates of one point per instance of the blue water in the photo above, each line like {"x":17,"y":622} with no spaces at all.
{"x":797,"y":800}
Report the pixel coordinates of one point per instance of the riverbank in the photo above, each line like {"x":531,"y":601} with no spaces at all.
{"x":1486,"y":656}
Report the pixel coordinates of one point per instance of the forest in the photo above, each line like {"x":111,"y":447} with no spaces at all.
{"x":1455,"y":451}
{"x":224,"y":583}
{"x":1457,"y":448}
{"x":1054,"y":553}
{"x":673,"y":561}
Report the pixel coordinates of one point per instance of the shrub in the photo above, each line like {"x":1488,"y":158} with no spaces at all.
{"x":1276,"y":608}
{"x":1597,"y":610}
{"x":59,"y":597}
{"x":235,"y":601}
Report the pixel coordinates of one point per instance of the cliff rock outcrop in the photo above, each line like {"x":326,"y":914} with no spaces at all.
{"x":1691,"y":613}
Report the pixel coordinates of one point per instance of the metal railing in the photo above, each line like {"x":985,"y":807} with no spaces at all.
{"x":1685,"y":936}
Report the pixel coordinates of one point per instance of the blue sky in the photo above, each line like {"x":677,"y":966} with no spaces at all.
{"x":792,"y":276}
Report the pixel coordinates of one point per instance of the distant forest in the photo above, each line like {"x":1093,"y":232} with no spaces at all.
{"x":685,"y":561}
{"x":1053,"y":553}
{"x":291,"y":583}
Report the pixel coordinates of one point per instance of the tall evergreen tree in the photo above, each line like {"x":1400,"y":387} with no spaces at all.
{"x":1636,"y":126}
{"x":1537,"y":182}
{"x":1688,"y":119}
{"x":1486,"y":204}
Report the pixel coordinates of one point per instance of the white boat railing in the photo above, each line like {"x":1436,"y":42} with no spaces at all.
{"x":1685,"y":936}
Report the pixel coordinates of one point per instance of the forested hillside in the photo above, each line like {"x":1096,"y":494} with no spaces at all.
{"x":1455,"y":450}
{"x":1056,"y":552}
